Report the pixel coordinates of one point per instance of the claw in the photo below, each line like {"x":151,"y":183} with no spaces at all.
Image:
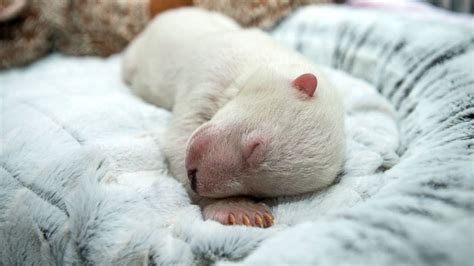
{"x":231,"y":219}
{"x":258,"y":220}
{"x":268,"y":219}
{"x":238,"y":212}
{"x":246,"y":220}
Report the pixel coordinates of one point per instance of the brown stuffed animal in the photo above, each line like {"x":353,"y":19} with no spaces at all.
{"x":24,"y":34}
{"x":31,"y":28}
{"x":257,"y":13}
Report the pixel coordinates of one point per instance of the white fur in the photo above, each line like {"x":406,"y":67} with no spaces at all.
{"x":205,"y":67}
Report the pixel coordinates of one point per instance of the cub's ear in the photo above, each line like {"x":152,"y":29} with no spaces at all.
{"x":254,"y":148}
{"x":306,"y":83}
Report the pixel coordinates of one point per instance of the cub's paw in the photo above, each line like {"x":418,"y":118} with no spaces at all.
{"x":239,"y":211}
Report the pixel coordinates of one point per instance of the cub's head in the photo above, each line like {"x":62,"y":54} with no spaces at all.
{"x":279,"y":136}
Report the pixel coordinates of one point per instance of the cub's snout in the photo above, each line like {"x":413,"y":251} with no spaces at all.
{"x":218,"y":159}
{"x":211,"y":161}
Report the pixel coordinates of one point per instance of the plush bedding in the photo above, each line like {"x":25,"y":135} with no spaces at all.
{"x":83,"y":178}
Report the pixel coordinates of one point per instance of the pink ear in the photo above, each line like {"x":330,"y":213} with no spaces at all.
{"x":306,"y":83}
{"x":254,"y":148}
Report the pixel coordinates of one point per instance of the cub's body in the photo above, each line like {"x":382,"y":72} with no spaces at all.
{"x":228,"y":86}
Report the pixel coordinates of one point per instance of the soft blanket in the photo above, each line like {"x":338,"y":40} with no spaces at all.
{"x":83,"y":178}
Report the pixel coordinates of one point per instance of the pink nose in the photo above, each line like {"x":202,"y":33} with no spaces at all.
{"x":197,"y":147}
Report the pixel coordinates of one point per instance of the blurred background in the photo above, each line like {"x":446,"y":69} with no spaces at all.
{"x":29,"y":29}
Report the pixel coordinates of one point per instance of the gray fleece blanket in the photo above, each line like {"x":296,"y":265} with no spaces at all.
{"x":83,"y":179}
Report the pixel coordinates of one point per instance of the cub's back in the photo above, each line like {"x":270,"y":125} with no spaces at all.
{"x":154,"y":60}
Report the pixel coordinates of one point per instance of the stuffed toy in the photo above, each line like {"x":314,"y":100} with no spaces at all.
{"x":257,"y":13}
{"x":24,"y":34}
{"x":30,"y":29}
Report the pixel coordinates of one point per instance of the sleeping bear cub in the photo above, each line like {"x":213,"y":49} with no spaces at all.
{"x":251,"y":119}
